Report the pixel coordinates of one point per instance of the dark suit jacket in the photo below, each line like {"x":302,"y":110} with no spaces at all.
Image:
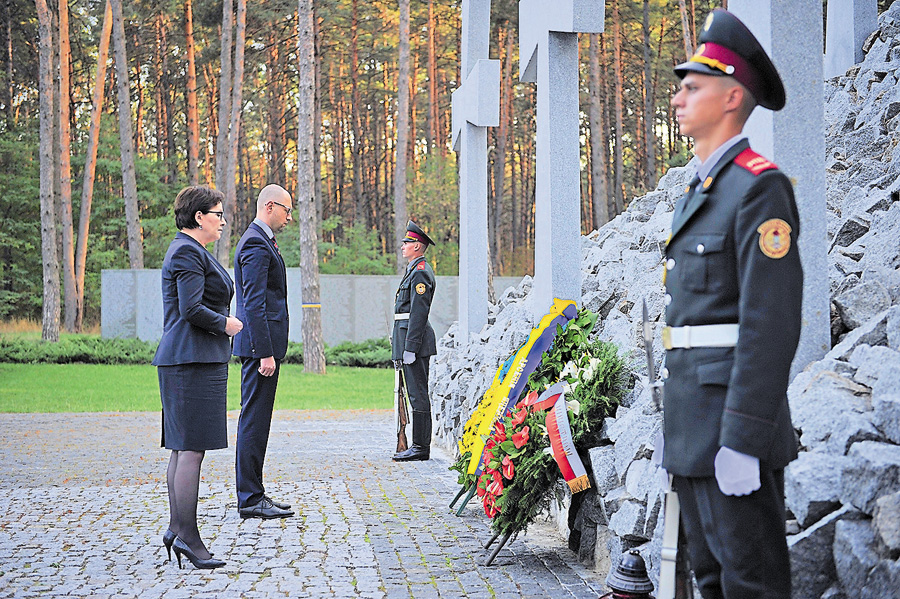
{"x":414,"y":297}
{"x":723,"y":267}
{"x":196,"y":294}
{"x":261,"y":282}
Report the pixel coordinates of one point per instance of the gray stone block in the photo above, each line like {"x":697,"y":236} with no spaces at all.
{"x":812,"y":486}
{"x":874,"y":364}
{"x":872,"y":472}
{"x":872,"y":332}
{"x":629,"y":520}
{"x":603,"y":465}
{"x":858,"y":303}
{"x":830,"y":411}
{"x":854,"y":555}
{"x":886,"y":522}
{"x":812,"y":563}
{"x":883,"y":581}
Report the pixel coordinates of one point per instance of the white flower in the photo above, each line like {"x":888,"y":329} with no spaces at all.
{"x":573,"y":406}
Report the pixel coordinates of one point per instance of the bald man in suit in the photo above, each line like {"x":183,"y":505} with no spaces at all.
{"x":261,"y":289}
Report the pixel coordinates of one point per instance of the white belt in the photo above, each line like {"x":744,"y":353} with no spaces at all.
{"x":401,"y":316}
{"x":706,"y":335}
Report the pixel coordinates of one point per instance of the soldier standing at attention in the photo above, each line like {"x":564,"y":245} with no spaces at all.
{"x":733,"y":302}
{"x":413,"y":339}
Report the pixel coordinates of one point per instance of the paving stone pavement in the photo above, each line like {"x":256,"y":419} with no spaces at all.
{"x":83,"y":507}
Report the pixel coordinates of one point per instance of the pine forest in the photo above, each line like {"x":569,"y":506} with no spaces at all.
{"x":109,"y":107}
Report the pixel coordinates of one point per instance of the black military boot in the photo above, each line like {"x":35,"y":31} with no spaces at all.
{"x":421,"y":437}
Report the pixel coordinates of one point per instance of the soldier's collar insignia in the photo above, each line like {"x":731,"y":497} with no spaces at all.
{"x":420,"y":288}
{"x":775,"y":238}
{"x":707,"y":183}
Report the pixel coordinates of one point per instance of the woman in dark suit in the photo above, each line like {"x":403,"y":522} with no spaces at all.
{"x":192,"y":362}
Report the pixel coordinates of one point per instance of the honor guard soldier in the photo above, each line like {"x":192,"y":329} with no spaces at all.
{"x":412,"y":341}
{"x":733,"y":285}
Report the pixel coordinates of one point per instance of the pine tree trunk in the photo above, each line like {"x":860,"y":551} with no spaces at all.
{"x":51,"y":308}
{"x":223,"y":246}
{"x":90,"y":166}
{"x":686,"y":30}
{"x":212,"y":129}
{"x":193,"y":120}
{"x":126,"y":142}
{"x":431,"y":125}
{"x":502,"y":132}
{"x":224,"y":108}
{"x":307,"y":139}
{"x":355,"y":106}
{"x":617,"y":66}
{"x":599,"y":140}
{"x":649,"y":106}
{"x":400,"y":213}
{"x":10,"y":90}
{"x":65,"y":169}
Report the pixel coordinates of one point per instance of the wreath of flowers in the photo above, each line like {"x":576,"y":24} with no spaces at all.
{"x":519,"y":473}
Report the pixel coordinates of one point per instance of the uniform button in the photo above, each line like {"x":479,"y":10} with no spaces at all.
{"x":670,"y":263}
{"x":700,"y":248}
{"x":664,"y":373}
{"x":668,"y":299}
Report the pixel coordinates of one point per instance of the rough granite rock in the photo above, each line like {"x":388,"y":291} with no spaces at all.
{"x":886,"y":522}
{"x":846,"y":406}
{"x":873,"y":470}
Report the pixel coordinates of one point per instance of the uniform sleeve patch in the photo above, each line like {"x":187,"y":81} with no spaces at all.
{"x":421,"y":266}
{"x":774,"y":238}
{"x":420,"y":288}
{"x":753,"y":162}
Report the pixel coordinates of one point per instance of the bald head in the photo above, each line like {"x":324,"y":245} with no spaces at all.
{"x":274,"y":207}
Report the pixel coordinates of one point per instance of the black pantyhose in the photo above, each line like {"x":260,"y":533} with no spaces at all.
{"x":183,"y":482}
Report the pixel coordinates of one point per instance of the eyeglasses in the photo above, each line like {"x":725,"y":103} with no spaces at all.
{"x":286,"y":209}
{"x":219,"y":213}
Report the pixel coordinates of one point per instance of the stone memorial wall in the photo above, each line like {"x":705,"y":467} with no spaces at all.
{"x":843,"y":493}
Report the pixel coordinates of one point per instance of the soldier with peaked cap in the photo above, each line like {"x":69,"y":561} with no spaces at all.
{"x":413,"y":340}
{"x":733,"y":285}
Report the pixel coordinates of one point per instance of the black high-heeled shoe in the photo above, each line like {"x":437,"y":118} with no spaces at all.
{"x":168,"y":539}
{"x":181,"y":548}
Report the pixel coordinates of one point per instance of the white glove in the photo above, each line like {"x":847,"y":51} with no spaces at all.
{"x":656,"y":459}
{"x":409,"y":357}
{"x":737,"y":473}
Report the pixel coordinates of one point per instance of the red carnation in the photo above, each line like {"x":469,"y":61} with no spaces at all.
{"x":520,"y":438}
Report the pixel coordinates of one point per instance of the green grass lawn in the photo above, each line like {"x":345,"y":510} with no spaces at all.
{"x":109,"y":388}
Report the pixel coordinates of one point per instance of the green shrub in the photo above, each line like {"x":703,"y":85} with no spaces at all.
{"x":91,"y":349}
{"x":88,"y":349}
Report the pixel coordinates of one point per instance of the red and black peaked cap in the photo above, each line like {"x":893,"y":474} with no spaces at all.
{"x":415,"y":233}
{"x":728,"y":48}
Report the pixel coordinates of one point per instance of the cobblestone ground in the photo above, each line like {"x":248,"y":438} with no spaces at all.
{"x":83,"y":506}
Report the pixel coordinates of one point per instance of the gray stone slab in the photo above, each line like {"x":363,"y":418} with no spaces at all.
{"x":794,"y":138}
{"x":849,"y":23}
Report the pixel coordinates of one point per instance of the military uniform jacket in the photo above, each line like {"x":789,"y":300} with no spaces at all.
{"x":414,"y":298}
{"x":732,"y":258}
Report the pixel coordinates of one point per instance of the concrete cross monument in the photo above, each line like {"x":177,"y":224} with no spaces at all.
{"x":476,"y":106}
{"x":548,"y":55}
{"x":849,"y":23}
{"x":794,"y":139}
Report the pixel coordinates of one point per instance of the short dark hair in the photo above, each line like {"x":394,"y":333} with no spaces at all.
{"x":193,"y":199}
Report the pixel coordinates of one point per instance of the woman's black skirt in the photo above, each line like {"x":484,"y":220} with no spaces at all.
{"x":193,"y":406}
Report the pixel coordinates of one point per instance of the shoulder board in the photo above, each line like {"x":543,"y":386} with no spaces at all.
{"x":421,"y":266}
{"x":753,"y":162}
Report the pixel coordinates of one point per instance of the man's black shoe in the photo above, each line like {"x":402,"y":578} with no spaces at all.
{"x":265,"y":509}
{"x":279,"y":504}
{"x":413,"y":454}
